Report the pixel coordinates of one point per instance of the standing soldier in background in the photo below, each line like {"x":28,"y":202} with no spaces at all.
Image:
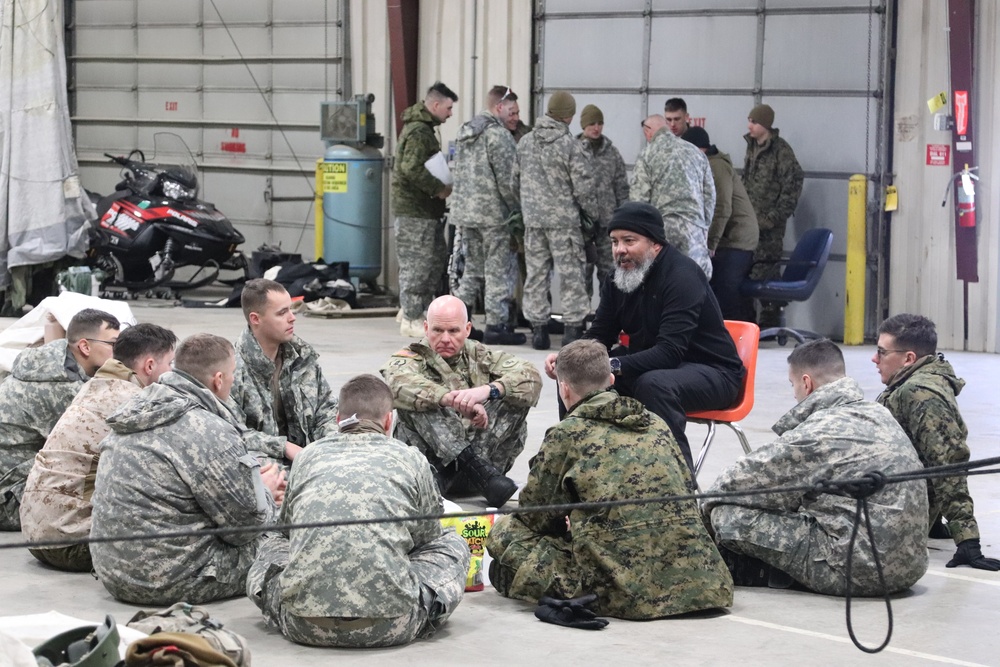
{"x":733,"y":234}
{"x":673,"y":176}
{"x":773,"y":179}
{"x":612,"y":187}
{"x":675,"y":111}
{"x":418,"y":205}
{"x":481,"y":204}
{"x":555,"y":182}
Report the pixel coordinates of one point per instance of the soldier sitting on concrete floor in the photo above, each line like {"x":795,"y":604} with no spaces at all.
{"x":360,"y":586}
{"x":280,"y":389}
{"x":920,"y":392}
{"x":833,"y":433}
{"x":56,"y":503}
{"x":176,"y":461}
{"x":462,"y":404}
{"x":40,"y":387}
{"x":642,"y":561}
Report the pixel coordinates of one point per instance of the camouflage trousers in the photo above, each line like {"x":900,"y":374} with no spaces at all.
{"x":605,"y":260}
{"x":441,"y":435}
{"x":440,"y":568}
{"x":561,"y":249}
{"x":794,"y":543}
{"x":529,"y":565}
{"x":70,"y":559}
{"x":769,"y":250}
{"x":488,"y":262}
{"x":228,"y":580}
{"x":422,"y":255}
{"x":11,"y":491}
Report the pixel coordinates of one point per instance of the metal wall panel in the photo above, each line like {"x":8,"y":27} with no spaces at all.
{"x":142,"y":67}
{"x":921,"y":232}
{"x":812,"y":62}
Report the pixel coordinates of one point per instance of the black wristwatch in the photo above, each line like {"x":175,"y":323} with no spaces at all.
{"x":616,"y":365}
{"x":495,"y":392}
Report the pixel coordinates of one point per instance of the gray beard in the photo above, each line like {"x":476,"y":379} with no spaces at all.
{"x":629,"y":280}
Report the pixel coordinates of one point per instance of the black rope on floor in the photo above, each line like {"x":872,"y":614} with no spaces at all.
{"x":860,"y":488}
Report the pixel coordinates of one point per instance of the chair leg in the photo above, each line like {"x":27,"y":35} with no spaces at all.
{"x":741,"y":435}
{"x":704,"y":447}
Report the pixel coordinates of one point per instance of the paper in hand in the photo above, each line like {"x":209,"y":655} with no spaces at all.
{"x":439,"y":169}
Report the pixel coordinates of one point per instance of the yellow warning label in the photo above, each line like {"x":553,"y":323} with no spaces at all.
{"x":334,"y":177}
{"x":937,"y":102}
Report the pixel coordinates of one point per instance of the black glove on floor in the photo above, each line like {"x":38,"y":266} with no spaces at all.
{"x":572,"y":613}
{"x":969,"y":553}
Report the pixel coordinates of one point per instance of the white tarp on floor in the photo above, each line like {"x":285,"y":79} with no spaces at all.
{"x":43,"y":209}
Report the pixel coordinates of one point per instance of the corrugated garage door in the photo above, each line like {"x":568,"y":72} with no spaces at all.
{"x":822,"y":66}
{"x":184,"y":66}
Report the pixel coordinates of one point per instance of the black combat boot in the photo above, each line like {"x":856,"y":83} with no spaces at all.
{"x":572,"y":332}
{"x":493,"y":484}
{"x":501,"y":334}
{"x":540,"y":337}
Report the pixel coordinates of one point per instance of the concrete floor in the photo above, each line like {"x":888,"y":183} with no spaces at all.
{"x":951,"y":616}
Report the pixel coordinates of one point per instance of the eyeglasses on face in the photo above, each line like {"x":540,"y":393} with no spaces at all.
{"x":881,"y":352}
{"x":112,"y":343}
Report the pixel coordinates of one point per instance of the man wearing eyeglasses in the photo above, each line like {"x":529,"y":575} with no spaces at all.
{"x":481,"y":203}
{"x":40,"y":387}
{"x":920,"y":391}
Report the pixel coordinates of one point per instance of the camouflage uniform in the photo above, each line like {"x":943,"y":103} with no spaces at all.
{"x":773,"y":179}
{"x":674,"y":176}
{"x":41,"y":385}
{"x":922,"y":399}
{"x":833,"y":433}
{"x":611,"y":180}
{"x":555,"y":181}
{"x":419,"y":378}
{"x":480,"y":204}
{"x":642,"y":561}
{"x":420,"y":246}
{"x":304,"y":409}
{"x":175,"y":461}
{"x":360,"y":586}
{"x":56,"y":503}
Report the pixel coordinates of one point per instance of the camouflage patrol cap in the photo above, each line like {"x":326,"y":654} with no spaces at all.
{"x":640,"y":218}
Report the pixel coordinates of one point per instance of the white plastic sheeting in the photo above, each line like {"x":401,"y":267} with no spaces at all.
{"x":43,"y":209}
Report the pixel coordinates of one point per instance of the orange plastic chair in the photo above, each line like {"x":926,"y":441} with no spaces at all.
{"x":746,"y":335}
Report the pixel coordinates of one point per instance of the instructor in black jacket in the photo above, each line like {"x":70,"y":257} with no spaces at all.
{"x":680,"y":358}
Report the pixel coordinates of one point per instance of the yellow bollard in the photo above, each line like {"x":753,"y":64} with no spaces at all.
{"x":318,"y":211}
{"x":854,"y":301}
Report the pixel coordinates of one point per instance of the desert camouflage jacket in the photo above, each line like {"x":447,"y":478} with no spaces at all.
{"x":419,"y":377}
{"x":56,"y":503}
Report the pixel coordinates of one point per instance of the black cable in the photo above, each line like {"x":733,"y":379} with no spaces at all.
{"x":834,"y":487}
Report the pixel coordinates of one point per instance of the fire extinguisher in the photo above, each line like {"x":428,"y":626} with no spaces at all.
{"x":966,"y":196}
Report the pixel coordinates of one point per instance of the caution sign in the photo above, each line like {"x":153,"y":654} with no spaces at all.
{"x":334,"y":177}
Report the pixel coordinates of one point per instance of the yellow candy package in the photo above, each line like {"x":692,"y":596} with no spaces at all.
{"x":473,"y":529}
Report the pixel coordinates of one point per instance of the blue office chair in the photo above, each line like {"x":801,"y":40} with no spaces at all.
{"x":797,"y":282}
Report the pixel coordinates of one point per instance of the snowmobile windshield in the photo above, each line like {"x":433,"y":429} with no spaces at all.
{"x":178,"y":170}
